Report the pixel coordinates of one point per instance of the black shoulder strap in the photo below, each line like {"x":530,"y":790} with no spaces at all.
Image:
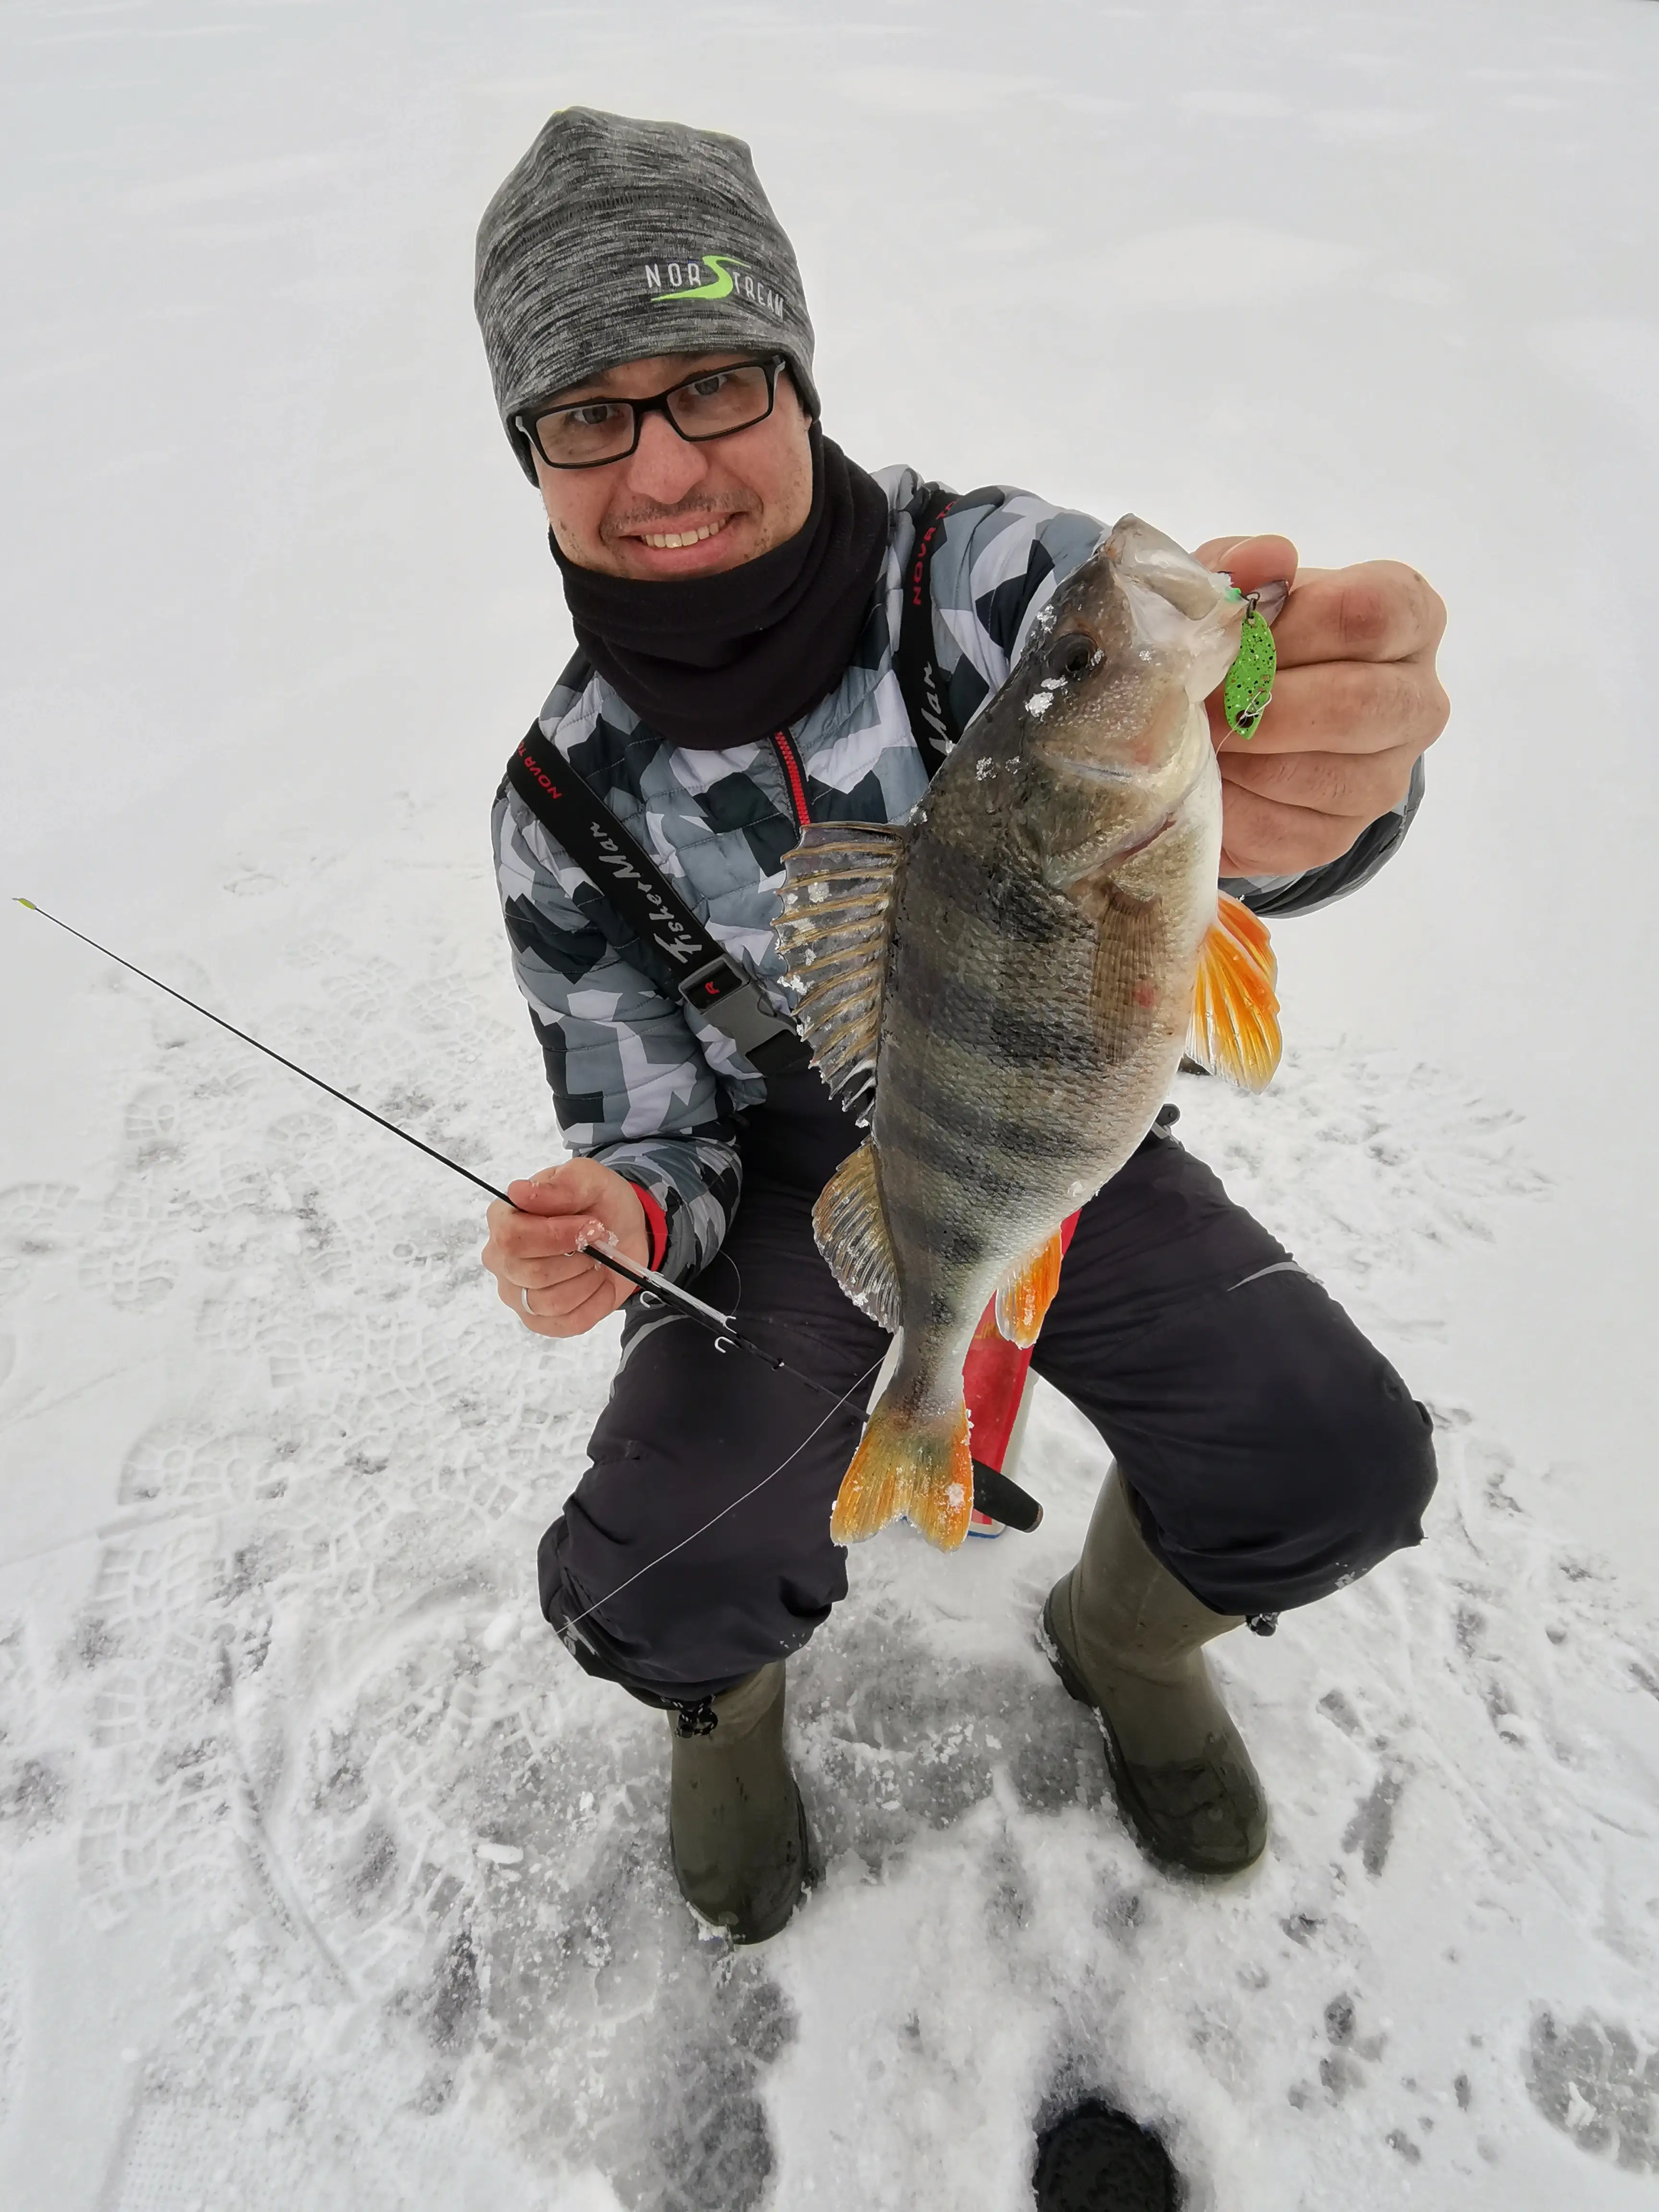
{"x":914,"y":662}
{"x":926,"y":699}
{"x":726,"y":996}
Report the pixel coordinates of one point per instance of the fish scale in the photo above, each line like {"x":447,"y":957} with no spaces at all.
{"x":1007,"y":983}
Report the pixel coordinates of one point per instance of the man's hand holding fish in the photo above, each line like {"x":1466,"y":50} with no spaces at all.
{"x":1355,"y":704}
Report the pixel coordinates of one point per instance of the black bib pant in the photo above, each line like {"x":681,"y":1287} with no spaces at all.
{"x":1273,"y":1455}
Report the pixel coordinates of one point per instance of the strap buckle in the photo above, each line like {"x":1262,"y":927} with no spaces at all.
{"x":729,"y":999}
{"x":706,"y":986}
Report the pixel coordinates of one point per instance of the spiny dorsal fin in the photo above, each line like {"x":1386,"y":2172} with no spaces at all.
{"x":853,"y":1236}
{"x":1235,"y":1023}
{"x":1026,"y":1291}
{"x":834,"y":922}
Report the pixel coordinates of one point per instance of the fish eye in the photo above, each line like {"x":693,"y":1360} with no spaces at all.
{"x":1070,"y":653}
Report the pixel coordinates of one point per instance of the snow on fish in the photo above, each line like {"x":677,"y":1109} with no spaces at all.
{"x":1005,"y":985}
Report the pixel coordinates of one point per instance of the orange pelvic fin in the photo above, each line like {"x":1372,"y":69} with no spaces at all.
{"x":921,"y":1469}
{"x":1235,"y":1024}
{"x":1025,"y":1292}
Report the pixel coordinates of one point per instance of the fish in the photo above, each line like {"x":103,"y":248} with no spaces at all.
{"x":1002,"y":987}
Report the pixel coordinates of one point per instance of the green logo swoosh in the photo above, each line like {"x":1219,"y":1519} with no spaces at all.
{"x":719,"y":289}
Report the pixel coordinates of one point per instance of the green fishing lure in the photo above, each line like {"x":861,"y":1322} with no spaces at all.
{"x":1249,"y":684}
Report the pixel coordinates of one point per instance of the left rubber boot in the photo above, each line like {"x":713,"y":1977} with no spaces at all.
{"x":737,"y":1827}
{"x":1126,"y":1638}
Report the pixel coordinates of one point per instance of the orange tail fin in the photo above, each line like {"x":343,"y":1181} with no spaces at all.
{"x":921,"y":1467}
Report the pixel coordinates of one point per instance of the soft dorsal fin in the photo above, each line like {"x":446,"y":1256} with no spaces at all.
{"x":1026,"y":1291}
{"x":853,"y":1237}
{"x":834,"y":924}
{"x":1235,"y":1023}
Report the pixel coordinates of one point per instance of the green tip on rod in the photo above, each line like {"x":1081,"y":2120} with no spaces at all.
{"x":30,"y":904}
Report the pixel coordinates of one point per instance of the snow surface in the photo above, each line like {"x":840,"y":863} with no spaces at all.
{"x":325,"y":1879}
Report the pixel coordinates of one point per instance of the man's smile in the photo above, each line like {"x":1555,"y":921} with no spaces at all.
{"x":693,"y":536}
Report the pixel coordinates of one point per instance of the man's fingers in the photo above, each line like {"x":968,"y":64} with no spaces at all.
{"x":549,"y":1191}
{"x":1352,"y":785}
{"x":550,"y":1274}
{"x":1376,"y":611}
{"x":1251,"y":562}
{"x":561,"y":1311}
{"x":545,"y":1302}
{"x":536,"y":1236}
{"x":570,"y":1319}
{"x":1262,"y":837}
{"x":1347,"y":707}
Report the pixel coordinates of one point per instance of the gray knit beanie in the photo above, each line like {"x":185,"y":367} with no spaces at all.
{"x":613,"y":239}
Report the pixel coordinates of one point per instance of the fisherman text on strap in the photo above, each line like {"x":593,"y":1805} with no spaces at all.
{"x":706,"y":977}
{"x":914,"y":662}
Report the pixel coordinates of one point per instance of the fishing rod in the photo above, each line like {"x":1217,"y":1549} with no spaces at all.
{"x":651,"y":1285}
{"x":994,"y":1492}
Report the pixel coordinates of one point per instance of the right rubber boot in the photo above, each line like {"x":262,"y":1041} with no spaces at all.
{"x":737,"y":1827}
{"x":1125,"y":1637}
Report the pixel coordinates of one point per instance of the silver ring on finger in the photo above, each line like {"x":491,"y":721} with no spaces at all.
{"x":523,"y":1300}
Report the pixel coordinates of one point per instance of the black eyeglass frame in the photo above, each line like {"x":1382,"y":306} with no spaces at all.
{"x":525,"y":419}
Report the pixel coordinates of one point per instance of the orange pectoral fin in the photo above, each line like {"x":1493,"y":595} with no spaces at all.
{"x":1027,"y":1290}
{"x":1235,"y":1023}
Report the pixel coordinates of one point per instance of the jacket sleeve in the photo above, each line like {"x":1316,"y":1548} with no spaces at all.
{"x":631,"y":1085}
{"x":1003,"y":555}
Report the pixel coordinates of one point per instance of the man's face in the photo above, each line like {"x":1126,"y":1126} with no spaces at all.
{"x":732,"y":497}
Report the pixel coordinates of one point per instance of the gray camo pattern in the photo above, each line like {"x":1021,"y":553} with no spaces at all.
{"x":638,"y":1080}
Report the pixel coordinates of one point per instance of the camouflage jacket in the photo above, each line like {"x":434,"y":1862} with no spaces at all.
{"x":638,"y":1081}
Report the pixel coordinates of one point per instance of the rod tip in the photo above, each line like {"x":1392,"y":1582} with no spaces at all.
{"x":30,"y":904}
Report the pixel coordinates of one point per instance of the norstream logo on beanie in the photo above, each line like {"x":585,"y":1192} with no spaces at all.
{"x":710,"y":277}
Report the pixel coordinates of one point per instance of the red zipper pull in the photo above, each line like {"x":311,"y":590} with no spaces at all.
{"x":794,"y":776}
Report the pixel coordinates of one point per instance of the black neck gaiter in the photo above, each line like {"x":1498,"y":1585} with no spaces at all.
{"x":726,"y":660}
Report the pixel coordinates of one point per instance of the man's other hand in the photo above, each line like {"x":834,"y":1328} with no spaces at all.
{"x":1356,"y":701}
{"x":553,"y":1288}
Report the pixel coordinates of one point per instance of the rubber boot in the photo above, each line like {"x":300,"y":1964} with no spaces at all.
{"x":737,"y":1827}
{"x":1124,"y":1636}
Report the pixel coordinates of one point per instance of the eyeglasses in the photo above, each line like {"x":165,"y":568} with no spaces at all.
{"x":711,"y":404}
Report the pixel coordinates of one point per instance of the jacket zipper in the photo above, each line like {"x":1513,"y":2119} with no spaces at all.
{"x":794,"y":776}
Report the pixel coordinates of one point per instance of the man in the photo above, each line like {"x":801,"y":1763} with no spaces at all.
{"x":734,"y":583}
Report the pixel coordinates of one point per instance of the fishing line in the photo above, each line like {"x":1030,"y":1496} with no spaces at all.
{"x":735,"y":1503}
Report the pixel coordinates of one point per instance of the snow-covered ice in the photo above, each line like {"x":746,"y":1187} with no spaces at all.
{"x":325,"y":1880}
